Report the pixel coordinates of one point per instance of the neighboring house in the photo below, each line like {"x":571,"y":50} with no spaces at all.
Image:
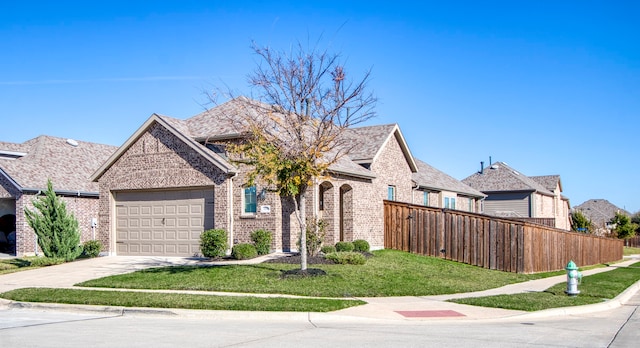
{"x":600,"y":212}
{"x":434,"y":188}
{"x":24,"y":171}
{"x":172,"y":178}
{"x":513,"y":194}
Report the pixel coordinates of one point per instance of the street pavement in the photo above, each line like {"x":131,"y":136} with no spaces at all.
{"x":406,"y":308}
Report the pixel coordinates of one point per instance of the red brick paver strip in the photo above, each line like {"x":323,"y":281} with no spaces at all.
{"x":430,"y":314}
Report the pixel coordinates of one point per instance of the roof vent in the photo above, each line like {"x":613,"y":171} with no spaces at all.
{"x":495,"y":166}
{"x":72,"y":142}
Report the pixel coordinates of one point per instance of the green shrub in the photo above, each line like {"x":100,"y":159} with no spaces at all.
{"x":316,"y":231}
{"x":57,"y":230}
{"x":347,"y":258}
{"x":327,"y":249}
{"x":243,"y":251}
{"x":91,"y":248}
{"x":344,"y":246}
{"x":361,"y":245}
{"x":213,"y":243}
{"x":262,"y":241}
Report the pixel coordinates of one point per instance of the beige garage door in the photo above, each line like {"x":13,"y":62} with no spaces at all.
{"x":162,"y":223}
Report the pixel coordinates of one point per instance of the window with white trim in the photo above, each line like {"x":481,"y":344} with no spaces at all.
{"x":391,"y":193}
{"x":250,"y":200}
{"x":449,"y":203}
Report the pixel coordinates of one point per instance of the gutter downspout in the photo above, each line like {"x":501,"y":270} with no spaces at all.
{"x":35,"y":246}
{"x":230,"y":219}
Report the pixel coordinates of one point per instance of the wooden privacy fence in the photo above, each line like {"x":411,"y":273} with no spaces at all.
{"x":491,"y":242}
{"x":633,"y":242}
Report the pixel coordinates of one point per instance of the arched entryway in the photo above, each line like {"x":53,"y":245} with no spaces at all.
{"x":327,"y":210}
{"x":346,"y":213}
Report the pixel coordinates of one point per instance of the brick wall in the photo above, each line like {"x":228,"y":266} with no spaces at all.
{"x":363,"y":199}
{"x":83,"y":208}
{"x":244,"y":224}
{"x":159,"y":160}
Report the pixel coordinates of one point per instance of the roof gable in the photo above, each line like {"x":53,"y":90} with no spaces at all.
{"x":550,"y":182}
{"x":178,"y":128}
{"x":428,"y":177}
{"x":366,"y":143}
{"x":500,"y":177}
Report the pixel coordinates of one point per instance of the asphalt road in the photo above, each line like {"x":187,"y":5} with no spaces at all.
{"x":619,"y":327}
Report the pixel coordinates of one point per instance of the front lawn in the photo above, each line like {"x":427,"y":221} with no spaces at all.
{"x":388,"y":273}
{"x":176,"y":300}
{"x":26,"y":263}
{"x":630,"y":251}
{"x":593,"y":289}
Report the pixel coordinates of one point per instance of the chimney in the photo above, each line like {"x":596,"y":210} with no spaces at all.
{"x":481,"y":167}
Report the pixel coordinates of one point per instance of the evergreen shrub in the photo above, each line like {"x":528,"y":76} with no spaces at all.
{"x":244,"y":251}
{"x":57,"y":230}
{"x":327,"y":249}
{"x":262,"y":241}
{"x":91,"y":248}
{"x":213,"y":243}
{"x":347,"y":258}
{"x":361,"y":245}
{"x":344,"y":246}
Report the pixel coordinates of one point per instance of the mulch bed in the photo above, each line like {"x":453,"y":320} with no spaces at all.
{"x":295,"y":260}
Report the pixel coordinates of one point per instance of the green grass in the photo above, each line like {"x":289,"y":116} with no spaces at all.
{"x":630,"y":251}
{"x":388,"y":273}
{"x":185,"y":301}
{"x":593,"y":289}
{"x":26,"y":263}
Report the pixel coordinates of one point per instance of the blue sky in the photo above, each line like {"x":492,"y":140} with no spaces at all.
{"x":549,"y":87}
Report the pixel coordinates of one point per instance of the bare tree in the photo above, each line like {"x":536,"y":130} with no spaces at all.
{"x":304,"y":102}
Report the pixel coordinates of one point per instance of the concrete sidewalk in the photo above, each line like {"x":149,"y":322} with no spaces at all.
{"x":436,"y":307}
{"x":407,"y":308}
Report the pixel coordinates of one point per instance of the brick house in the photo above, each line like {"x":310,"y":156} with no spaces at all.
{"x":513,"y":194}
{"x":172,"y":178}
{"x":24,"y":171}
{"x":435,"y":188}
{"x":600,"y":212}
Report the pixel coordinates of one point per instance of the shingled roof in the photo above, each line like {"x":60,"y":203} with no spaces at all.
{"x":550,"y":182}
{"x":68,"y":163}
{"x":599,"y":211}
{"x":224,"y":122}
{"x":431,"y":178}
{"x":500,"y":177}
{"x":365,"y":143}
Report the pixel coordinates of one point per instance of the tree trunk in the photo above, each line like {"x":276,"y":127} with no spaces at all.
{"x":303,"y":229}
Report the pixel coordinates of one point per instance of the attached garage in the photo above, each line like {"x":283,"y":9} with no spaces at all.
{"x":162,"y":223}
